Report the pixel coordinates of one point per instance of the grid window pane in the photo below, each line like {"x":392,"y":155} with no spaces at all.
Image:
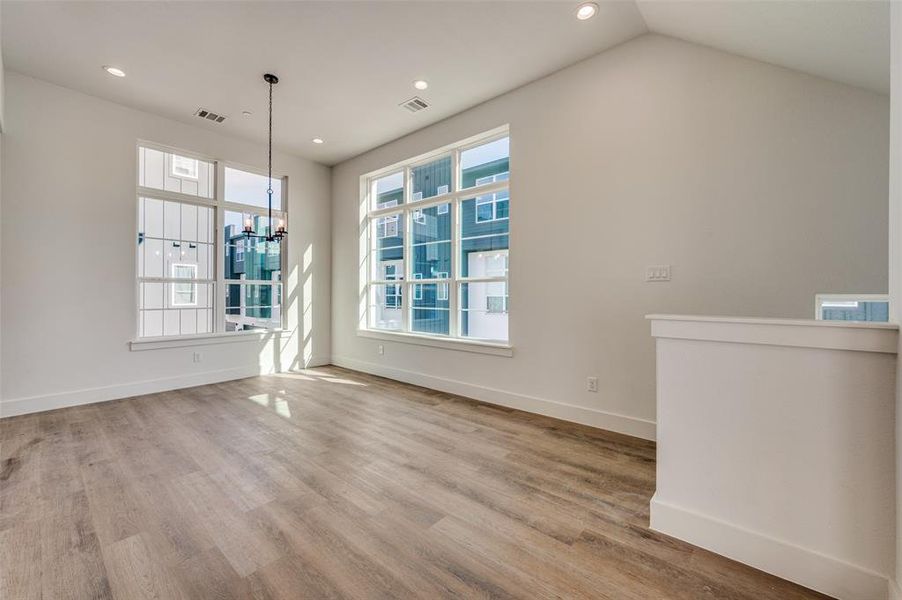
{"x":388,"y":247}
{"x":175,"y":173}
{"x":430,"y":311}
{"x":174,"y":308}
{"x":189,"y":239}
{"x":389,"y":190}
{"x":480,"y":240}
{"x":485,"y":164}
{"x":242,"y":187}
{"x":431,"y":242}
{"x":385,"y":305}
{"x":432,"y":179}
{"x":250,"y":306}
{"x":484,"y":310}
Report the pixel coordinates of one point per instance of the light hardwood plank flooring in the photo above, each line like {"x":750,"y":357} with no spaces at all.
{"x":333,"y":484}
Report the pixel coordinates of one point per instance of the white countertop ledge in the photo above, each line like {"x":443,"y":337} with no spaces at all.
{"x":801,"y":333}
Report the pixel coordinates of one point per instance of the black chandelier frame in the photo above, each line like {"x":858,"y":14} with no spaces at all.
{"x":280,"y":232}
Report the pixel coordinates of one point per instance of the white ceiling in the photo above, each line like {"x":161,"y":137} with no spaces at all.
{"x":345,"y":66}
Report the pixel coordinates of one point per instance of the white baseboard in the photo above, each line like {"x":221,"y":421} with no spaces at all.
{"x":825,"y":574}
{"x":32,"y":404}
{"x":317,"y":361}
{"x":633,"y":426}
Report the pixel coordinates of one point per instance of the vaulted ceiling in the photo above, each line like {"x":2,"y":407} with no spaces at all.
{"x":346,"y":66}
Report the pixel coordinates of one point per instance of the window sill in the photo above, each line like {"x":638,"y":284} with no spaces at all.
{"x":202,"y":339}
{"x":479,"y":347}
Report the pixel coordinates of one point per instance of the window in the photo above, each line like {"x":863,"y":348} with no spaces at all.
{"x":181,"y":288}
{"x":184,"y":294}
{"x":492,"y":207}
{"x":496,"y":304}
{"x":438,"y":228}
{"x":392,"y":292}
{"x":388,"y":227}
{"x":182,"y":166}
{"x":852,"y":307}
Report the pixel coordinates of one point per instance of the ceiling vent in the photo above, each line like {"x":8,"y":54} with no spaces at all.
{"x":203,"y":113}
{"x":415,"y":104}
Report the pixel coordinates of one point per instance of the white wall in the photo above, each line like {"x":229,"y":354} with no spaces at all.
{"x":760,"y":185}
{"x":68,"y":252}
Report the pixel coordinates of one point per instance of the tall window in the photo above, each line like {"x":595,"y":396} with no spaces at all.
{"x":438,"y":243}
{"x":192,"y":279}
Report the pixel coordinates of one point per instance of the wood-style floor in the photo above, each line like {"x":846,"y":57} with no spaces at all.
{"x":333,"y":484}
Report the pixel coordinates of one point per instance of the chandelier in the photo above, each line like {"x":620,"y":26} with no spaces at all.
{"x":277,"y":234}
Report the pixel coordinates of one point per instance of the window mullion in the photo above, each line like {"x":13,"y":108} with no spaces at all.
{"x":453,"y":302}
{"x":406,"y":255}
{"x":454,"y":291}
{"x":219,"y":290}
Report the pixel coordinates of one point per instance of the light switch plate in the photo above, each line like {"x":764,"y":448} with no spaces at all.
{"x":657,"y":273}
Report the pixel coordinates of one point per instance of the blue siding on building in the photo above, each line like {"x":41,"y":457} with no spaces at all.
{"x":865,"y":311}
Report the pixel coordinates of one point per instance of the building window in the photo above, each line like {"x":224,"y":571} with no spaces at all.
{"x":496,"y":304}
{"x":852,"y":307}
{"x":184,"y":294}
{"x":182,"y":288}
{"x":441,"y":222}
{"x":182,"y":166}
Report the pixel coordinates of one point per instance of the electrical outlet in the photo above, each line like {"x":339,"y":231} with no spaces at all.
{"x":657,"y":273}
{"x":381,"y":349}
{"x":197,"y":357}
{"x":591,"y":384}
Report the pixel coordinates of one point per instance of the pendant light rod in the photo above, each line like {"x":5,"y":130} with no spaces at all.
{"x":272,"y":234}
{"x":271,"y":80}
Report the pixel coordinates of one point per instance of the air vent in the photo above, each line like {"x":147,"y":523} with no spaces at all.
{"x":203,"y":113}
{"x":415,"y":104}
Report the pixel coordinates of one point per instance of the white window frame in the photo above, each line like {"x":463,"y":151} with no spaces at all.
{"x":844,"y":301}
{"x":452,"y":201}
{"x":218,"y":284}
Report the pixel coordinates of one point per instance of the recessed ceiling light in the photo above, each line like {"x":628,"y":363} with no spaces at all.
{"x":587,"y":10}
{"x":420,"y":84}
{"x":116,"y":71}
{"x":246,"y":113}
{"x":317,"y":140}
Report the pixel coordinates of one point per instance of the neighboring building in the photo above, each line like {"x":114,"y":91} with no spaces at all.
{"x":252,"y":305}
{"x":855,"y":311}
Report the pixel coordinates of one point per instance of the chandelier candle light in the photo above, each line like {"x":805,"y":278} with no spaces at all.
{"x":279,"y":233}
